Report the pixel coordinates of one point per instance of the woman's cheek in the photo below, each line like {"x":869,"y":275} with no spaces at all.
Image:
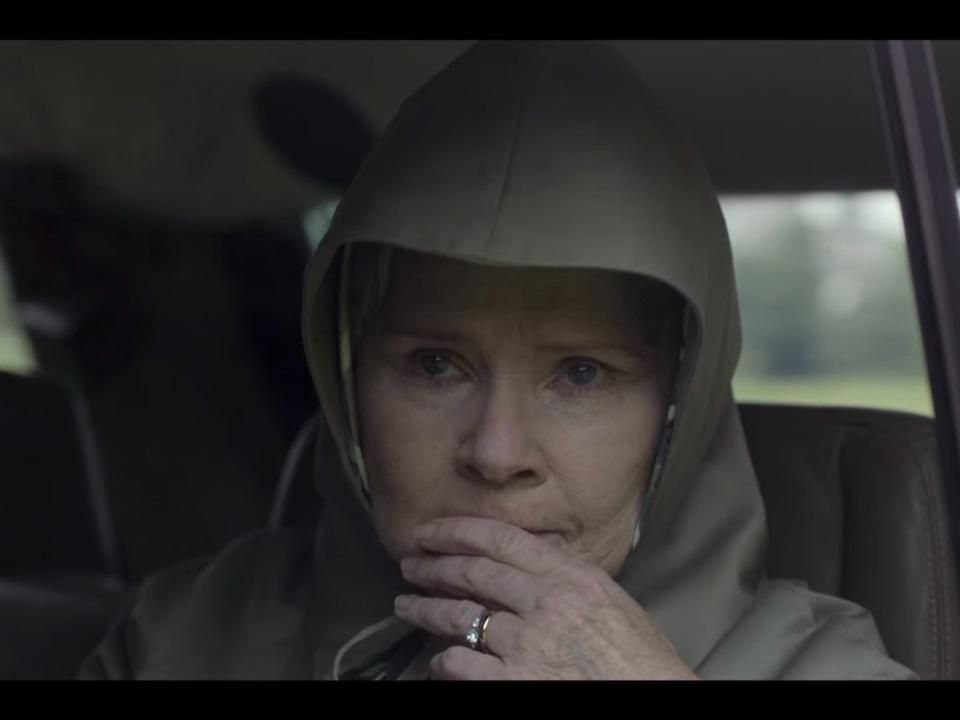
{"x":404,"y":447}
{"x":602,"y":466}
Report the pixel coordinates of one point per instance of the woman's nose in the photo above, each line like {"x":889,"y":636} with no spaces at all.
{"x":498,"y":444}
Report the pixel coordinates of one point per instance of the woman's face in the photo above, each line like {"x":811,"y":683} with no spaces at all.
{"x":521,"y":395}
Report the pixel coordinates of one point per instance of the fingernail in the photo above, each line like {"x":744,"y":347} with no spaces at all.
{"x":401,"y":602}
{"x":425,"y":531}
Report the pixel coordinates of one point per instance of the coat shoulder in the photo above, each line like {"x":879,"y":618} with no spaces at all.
{"x":207,"y":616}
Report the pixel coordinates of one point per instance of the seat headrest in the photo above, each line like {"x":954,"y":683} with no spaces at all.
{"x":48,"y":519}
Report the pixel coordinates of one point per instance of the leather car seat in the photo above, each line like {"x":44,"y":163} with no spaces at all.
{"x":856,"y":508}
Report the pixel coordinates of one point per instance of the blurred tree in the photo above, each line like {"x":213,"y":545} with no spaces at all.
{"x":778,"y":281}
{"x":825,"y":288}
{"x":881,"y":336}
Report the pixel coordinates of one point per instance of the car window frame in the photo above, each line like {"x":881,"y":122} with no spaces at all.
{"x":918,"y":146}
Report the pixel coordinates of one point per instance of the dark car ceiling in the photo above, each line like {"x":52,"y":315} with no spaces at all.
{"x":194,"y":131}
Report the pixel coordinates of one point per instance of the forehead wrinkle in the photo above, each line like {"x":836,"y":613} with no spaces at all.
{"x":433,"y":295}
{"x":420,"y":275}
{"x":518,"y":309}
{"x":544,"y":333}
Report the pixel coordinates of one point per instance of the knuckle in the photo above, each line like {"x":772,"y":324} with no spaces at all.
{"x":563,"y":598}
{"x":426,"y":572}
{"x":505,"y":541}
{"x":451,"y":530}
{"x":585,"y":577}
{"x":521,"y":642}
{"x":477,"y":574}
{"x":447,"y":663}
{"x":416,"y":609}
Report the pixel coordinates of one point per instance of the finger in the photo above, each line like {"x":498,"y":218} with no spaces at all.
{"x":452,"y":618}
{"x":478,"y":578}
{"x":496,"y":540}
{"x":503,"y":636}
{"x":460,"y":663}
{"x":439,"y":616}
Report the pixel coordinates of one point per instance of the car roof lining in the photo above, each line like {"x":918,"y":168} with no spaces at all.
{"x":767,"y":116}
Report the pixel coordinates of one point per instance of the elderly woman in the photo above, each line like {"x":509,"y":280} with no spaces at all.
{"x":522,"y":326}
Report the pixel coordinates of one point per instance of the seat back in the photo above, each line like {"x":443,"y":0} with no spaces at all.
{"x":856,"y":508}
{"x":54,"y":513}
{"x":60,"y":572}
{"x":49,"y":624}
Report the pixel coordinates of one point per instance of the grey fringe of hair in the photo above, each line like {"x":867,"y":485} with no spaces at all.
{"x":369,"y":277}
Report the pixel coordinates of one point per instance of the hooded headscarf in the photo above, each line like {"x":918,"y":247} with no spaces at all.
{"x":554,"y":155}
{"x":542,"y":155}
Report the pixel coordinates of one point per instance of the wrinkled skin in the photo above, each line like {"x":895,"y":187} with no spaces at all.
{"x":519,"y":410}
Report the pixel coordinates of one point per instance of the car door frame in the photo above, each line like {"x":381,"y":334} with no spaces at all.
{"x":918,"y":144}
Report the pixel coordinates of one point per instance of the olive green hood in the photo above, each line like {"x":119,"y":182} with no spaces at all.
{"x":553,"y":154}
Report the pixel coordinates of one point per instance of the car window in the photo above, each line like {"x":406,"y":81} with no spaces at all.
{"x":16,"y":353}
{"x":316,"y":222}
{"x":827,"y":304}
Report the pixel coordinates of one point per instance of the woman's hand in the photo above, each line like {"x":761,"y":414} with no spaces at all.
{"x":557,"y":616}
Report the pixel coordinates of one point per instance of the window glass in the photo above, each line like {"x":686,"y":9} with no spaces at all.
{"x":316,"y":222}
{"x":829,"y":316}
{"x":16,"y":354}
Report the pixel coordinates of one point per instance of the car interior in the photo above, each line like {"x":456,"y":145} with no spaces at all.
{"x":153,"y":197}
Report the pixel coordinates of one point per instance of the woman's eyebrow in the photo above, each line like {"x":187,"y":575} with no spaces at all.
{"x":594,"y":346}
{"x":546,"y":346}
{"x":438,"y":335}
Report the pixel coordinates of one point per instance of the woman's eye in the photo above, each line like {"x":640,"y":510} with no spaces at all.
{"x":434,"y":364}
{"x":582,"y":373}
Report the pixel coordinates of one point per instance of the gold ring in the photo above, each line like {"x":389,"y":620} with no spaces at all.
{"x":484,"y":624}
